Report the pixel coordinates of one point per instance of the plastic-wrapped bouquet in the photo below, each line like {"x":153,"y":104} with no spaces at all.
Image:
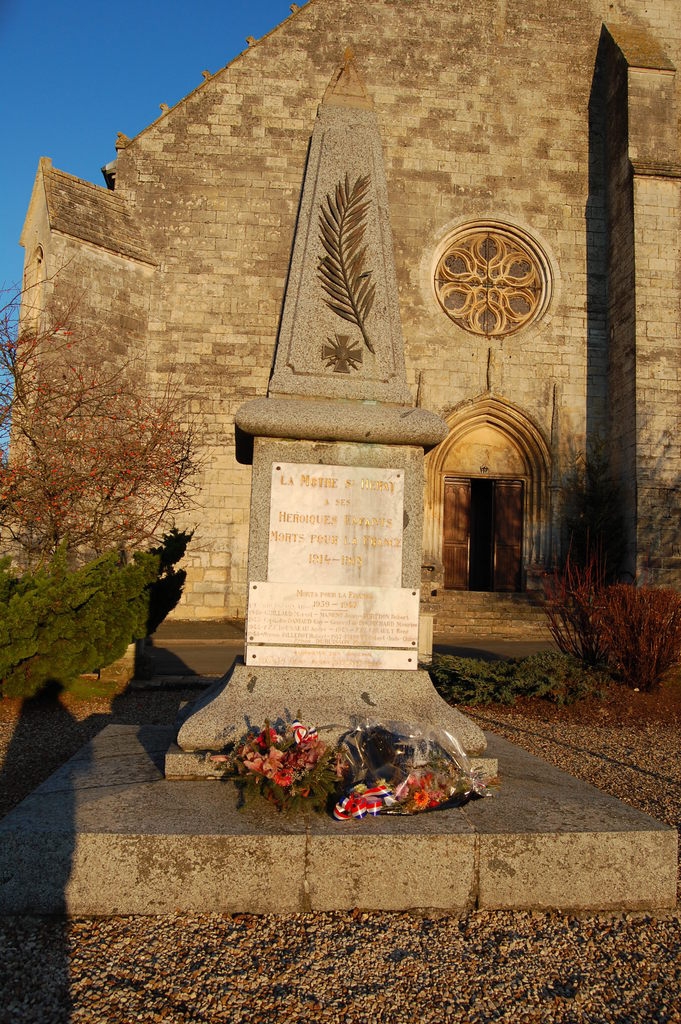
{"x":290,"y":767}
{"x":395,"y":768}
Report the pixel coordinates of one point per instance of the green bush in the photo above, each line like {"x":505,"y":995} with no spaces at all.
{"x":555,"y":677}
{"x":594,"y":526}
{"x":56,"y":624}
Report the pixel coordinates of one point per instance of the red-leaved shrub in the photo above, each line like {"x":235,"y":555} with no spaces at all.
{"x":573,"y":605}
{"x":635,"y":630}
{"x":641,"y":630}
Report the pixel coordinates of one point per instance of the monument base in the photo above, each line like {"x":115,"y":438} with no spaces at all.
{"x":108,"y":834}
{"x":333,"y":700}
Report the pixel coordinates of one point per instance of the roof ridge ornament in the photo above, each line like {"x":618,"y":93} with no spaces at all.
{"x":346,"y":88}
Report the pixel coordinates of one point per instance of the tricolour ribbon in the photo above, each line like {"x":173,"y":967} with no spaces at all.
{"x":358,"y":805}
{"x":302,"y":734}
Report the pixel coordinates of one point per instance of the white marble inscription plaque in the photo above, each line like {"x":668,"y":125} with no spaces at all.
{"x":336,"y":524}
{"x":292,"y":617}
{"x":330,"y":657}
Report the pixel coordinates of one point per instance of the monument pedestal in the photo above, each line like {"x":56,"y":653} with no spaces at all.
{"x":333,"y":612}
{"x":107,"y":834}
{"x":337,"y":698}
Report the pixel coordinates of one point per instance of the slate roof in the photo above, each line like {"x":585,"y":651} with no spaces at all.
{"x":92,"y":214}
{"x":640,"y":48}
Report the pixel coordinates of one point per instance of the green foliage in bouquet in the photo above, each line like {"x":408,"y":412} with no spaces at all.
{"x":293,"y":769}
{"x":555,"y":677}
{"x":56,"y":624}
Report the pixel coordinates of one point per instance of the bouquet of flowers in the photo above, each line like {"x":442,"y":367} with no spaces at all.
{"x":404,"y":769}
{"x":291,"y":767}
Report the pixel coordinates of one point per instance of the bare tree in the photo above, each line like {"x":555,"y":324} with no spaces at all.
{"x":90,"y":456}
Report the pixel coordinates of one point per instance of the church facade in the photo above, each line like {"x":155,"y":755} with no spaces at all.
{"x":533,"y":168}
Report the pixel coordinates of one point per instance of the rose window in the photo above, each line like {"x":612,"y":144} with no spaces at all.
{"x":491,"y":281}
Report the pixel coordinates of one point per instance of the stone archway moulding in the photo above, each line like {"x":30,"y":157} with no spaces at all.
{"x":522,"y":452}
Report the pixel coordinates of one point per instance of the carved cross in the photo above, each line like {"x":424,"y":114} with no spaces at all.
{"x":342,"y":354}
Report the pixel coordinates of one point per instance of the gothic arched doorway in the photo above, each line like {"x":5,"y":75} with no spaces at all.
{"x":487,"y":514}
{"x":482,"y":533}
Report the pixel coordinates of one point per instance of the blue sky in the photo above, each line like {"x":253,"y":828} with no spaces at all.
{"x":73,"y":74}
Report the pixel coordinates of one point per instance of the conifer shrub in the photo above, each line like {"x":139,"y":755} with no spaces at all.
{"x":641,"y":630}
{"x":166,"y":590}
{"x":592,"y":507}
{"x":556,"y":677}
{"x":56,"y":624}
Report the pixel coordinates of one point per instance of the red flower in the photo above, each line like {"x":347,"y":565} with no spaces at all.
{"x":262,"y":738}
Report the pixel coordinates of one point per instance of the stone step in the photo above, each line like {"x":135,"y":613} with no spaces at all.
{"x":108,"y":834}
{"x":476,"y":614}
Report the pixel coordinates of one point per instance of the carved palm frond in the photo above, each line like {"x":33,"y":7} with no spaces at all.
{"x":348,"y":285}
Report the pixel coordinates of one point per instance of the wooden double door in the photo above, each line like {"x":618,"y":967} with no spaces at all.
{"x":483,"y":534}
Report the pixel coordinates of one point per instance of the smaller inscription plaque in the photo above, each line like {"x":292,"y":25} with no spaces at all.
{"x":331,"y":625}
{"x":330,"y":657}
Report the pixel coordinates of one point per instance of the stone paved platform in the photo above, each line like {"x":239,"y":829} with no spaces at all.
{"x":107,"y":834}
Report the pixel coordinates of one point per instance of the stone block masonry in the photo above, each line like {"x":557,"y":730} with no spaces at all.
{"x":493,"y":128}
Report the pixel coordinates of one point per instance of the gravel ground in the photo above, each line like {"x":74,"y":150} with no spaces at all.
{"x":353,"y":967}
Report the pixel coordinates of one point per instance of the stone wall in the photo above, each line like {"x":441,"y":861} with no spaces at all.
{"x":644,"y":191}
{"x":621,"y":292}
{"x":484,"y":114}
{"x":658,"y":378}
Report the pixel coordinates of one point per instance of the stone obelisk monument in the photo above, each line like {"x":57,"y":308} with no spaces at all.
{"x":337,"y":450}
